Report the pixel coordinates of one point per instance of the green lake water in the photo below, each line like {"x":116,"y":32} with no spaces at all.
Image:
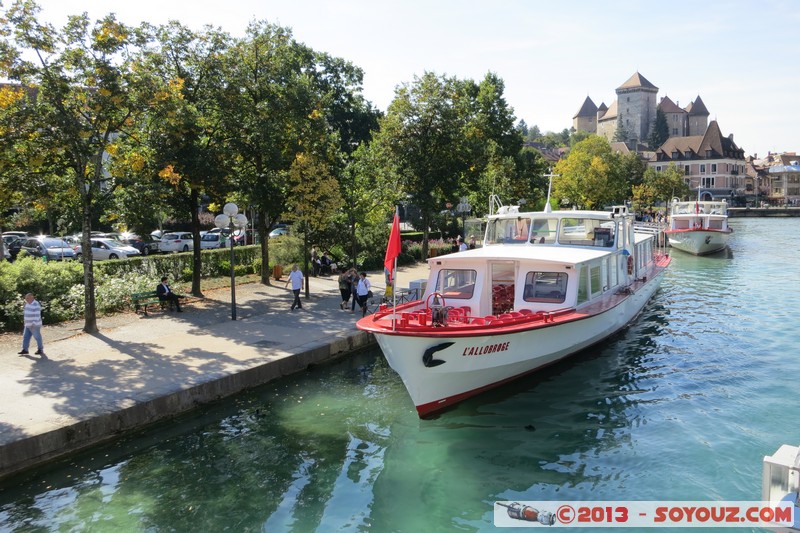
{"x":682,"y":405}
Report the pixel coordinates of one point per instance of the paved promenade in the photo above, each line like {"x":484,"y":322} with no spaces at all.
{"x":139,"y":370}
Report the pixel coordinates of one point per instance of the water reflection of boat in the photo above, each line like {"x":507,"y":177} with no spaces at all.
{"x":543,"y":286}
{"x":699,"y":228}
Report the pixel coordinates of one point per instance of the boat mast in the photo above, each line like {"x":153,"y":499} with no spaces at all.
{"x":547,"y":208}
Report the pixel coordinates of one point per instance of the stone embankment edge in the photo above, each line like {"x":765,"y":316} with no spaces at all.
{"x":38,"y":450}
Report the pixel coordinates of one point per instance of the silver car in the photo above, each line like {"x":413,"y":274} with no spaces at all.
{"x":49,"y":248}
{"x":108,"y":249}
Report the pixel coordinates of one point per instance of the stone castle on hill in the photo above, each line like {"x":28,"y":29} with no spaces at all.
{"x":634,"y":112}
{"x":711,"y":163}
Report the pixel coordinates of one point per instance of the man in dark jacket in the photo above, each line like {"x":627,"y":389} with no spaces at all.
{"x":165,"y":294}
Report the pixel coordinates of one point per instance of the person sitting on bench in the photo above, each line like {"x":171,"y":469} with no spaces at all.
{"x":165,"y":294}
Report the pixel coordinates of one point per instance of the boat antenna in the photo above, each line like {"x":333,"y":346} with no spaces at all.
{"x":547,"y":208}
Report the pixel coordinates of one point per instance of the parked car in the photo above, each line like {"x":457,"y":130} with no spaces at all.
{"x":6,"y":254}
{"x":146,"y":244}
{"x":213,"y":240}
{"x":12,"y":244}
{"x":20,"y":234}
{"x":107,"y":249}
{"x":279,"y":232}
{"x":50,"y":248}
{"x":176,"y":242}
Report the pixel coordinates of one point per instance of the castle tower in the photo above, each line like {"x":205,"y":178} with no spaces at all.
{"x":698,"y":117}
{"x":636,"y":107}
{"x":586,"y":117}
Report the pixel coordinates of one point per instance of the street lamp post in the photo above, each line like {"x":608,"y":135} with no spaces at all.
{"x":231,"y":220}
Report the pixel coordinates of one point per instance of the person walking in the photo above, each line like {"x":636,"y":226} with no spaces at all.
{"x":364,"y":288}
{"x":345,"y":290}
{"x":354,"y":288}
{"x":296,"y":277}
{"x":33,"y":325}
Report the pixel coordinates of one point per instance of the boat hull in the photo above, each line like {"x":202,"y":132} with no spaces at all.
{"x":698,"y":242}
{"x":462,"y":366}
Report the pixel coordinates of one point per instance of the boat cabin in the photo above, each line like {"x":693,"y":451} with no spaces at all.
{"x":547,"y":262}
{"x":698,"y":215}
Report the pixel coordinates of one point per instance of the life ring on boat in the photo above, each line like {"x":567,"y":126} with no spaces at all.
{"x":630,"y":265}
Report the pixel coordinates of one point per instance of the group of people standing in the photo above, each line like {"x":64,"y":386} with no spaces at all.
{"x":354,"y":288}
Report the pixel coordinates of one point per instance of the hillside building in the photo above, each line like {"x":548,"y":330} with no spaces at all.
{"x":711,"y":163}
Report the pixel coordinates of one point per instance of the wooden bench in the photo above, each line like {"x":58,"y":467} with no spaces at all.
{"x":142,"y":300}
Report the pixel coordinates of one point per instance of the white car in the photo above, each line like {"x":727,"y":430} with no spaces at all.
{"x":212,"y":240}
{"x":108,"y":249}
{"x":176,"y":241}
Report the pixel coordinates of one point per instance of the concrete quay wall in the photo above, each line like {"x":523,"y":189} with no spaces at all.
{"x":36,"y":450}
{"x":136,"y":371}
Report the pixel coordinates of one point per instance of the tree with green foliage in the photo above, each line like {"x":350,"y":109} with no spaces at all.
{"x":268,"y":100}
{"x":446,"y":137}
{"x":15,"y":119}
{"x":87,"y":97}
{"x":660,"y":131}
{"x":621,"y":133}
{"x":187,"y":141}
{"x":578,"y":136}
{"x":590,"y":176}
{"x":370,"y":189}
{"x":312,"y":201}
{"x":424,"y":129}
{"x":660,"y":186}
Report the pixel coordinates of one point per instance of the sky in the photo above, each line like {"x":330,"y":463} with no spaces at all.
{"x":739,"y":56}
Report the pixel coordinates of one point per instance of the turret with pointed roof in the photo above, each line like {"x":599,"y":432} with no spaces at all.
{"x":697,"y":117}
{"x":586,"y":117}
{"x":637,"y":81}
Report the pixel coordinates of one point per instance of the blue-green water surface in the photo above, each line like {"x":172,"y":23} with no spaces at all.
{"x":683,"y":405}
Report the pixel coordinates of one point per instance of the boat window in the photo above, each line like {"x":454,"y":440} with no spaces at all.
{"x":456,"y":283}
{"x":508,"y":230}
{"x":545,"y":287}
{"x":543,"y":231}
{"x":596,"y":279}
{"x":586,"y":232}
{"x":612,"y":271}
{"x":583,"y":284}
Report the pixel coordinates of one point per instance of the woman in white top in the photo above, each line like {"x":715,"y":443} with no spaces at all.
{"x":364,"y":287}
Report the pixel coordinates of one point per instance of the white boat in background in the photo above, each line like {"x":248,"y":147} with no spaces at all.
{"x":543,"y":286}
{"x":698,"y":227}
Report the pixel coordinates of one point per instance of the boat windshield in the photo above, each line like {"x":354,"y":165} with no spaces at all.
{"x":700,"y":208}
{"x":521,"y":230}
{"x":456,"y":283}
{"x":586,"y":232}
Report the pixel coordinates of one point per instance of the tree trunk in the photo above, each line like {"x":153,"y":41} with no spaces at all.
{"x":355,"y":243}
{"x":89,"y":304}
{"x":197,"y":264}
{"x":305,"y":263}
{"x":261,"y":226}
{"x":425,"y":234}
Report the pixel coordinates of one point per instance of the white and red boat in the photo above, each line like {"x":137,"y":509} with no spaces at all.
{"x":544,"y":285}
{"x":699,"y":228}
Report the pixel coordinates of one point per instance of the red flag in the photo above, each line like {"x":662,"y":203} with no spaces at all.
{"x":393,"y":248}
